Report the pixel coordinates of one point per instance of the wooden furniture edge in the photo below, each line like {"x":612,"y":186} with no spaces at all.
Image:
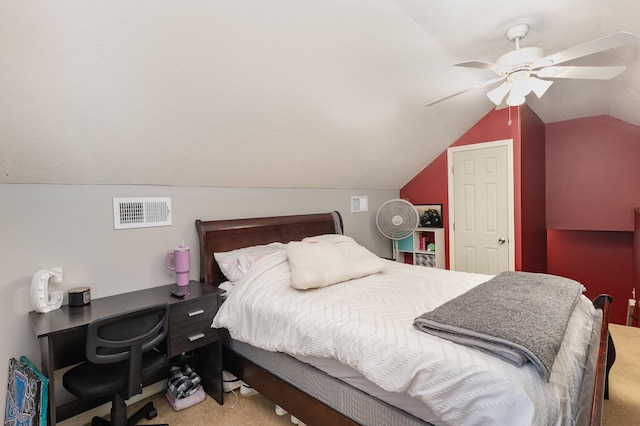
{"x":295,"y":401}
{"x":231,"y":234}
{"x":601,"y":368}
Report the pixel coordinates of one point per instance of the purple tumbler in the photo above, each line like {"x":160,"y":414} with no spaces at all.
{"x":180,"y":262}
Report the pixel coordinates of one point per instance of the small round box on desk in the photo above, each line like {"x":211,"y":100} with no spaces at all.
{"x":79,"y":296}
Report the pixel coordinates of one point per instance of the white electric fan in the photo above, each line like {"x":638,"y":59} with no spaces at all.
{"x":397,"y":219}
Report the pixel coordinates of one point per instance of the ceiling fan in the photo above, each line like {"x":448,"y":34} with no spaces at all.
{"x":525,"y":69}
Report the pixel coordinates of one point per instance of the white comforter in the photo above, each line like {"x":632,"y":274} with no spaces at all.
{"x":367,"y":324}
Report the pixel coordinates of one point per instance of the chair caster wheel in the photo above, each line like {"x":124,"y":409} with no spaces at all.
{"x":152,"y":413}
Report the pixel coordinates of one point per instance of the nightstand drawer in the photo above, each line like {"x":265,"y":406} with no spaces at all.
{"x":190,"y":324}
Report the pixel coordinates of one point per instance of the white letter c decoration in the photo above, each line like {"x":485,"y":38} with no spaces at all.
{"x":40,"y":298}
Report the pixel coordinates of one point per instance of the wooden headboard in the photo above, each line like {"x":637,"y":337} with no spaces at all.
{"x":224,"y":235}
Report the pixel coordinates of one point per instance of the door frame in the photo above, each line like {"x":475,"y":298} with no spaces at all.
{"x":510,"y":196}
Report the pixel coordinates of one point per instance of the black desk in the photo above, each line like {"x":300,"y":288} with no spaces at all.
{"x":62,"y":335}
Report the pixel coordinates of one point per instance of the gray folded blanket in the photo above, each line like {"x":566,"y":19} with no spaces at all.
{"x":517,"y":316}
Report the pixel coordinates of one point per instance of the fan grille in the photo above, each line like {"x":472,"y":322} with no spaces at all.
{"x":397,"y":219}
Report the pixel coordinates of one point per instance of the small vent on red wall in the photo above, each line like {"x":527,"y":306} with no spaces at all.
{"x":141,"y":212}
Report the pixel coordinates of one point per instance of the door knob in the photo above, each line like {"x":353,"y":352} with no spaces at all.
{"x":501,"y":241}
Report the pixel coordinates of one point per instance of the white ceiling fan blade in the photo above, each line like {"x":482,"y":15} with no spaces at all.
{"x":591,"y":73}
{"x":477,"y":86}
{"x":478,"y":64}
{"x":589,"y":48}
{"x":497,"y":95}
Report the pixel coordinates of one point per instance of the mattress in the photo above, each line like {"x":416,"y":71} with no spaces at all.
{"x":350,"y":376}
{"x":347,"y":391}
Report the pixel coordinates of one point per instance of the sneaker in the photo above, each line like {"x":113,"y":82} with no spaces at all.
{"x":280,"y":411}
{"x":246,"y":390}
{"x":229,"y":381}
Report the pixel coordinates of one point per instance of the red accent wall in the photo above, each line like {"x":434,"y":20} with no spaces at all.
{"x":430,"y":185}
{"x":533,"y":231}
{"x":593,"y":174}
{"x":635,"y":251}
{"x":592,"y":189}
{"x":601,"y":261}
{"x":587,"y":189}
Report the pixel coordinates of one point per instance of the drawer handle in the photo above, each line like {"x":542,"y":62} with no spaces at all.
{"x":194,"y":313}
{"x":196,"y":337}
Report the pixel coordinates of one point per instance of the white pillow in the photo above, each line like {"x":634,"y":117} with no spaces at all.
{"x":235,"y":264}
{"x":325,"y":260}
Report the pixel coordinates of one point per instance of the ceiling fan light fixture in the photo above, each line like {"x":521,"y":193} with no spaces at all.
{"x":520,"y":88}
{"x":497,"y":95}
{"x":515,"y":99}
{"x":521,"y":66}
{"x":538,"y":86}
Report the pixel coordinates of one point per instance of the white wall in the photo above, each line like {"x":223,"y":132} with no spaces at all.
{"x":43,"y":226}
{"x":128,"y":92}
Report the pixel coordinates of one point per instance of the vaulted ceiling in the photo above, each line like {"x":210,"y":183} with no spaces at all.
{"x":279,"y":93}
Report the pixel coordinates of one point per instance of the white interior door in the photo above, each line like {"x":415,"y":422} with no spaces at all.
{"x":481,"y":215}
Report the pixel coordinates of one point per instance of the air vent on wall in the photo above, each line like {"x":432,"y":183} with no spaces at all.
{"x":141,"y":212}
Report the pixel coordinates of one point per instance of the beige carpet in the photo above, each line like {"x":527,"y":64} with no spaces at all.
{"x":237,"y":410}
{"x":623,"y":407}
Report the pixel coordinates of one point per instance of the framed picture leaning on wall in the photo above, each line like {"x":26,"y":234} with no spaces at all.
{"x":430,"y":215}
{"x":27,"y":394}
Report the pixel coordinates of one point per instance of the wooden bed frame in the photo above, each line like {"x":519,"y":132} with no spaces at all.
{"x":226,"y":235}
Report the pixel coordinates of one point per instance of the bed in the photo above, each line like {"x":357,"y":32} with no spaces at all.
{"x":316,"y":389}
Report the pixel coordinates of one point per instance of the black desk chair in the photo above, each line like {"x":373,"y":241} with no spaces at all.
{"x":122,"y":359}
